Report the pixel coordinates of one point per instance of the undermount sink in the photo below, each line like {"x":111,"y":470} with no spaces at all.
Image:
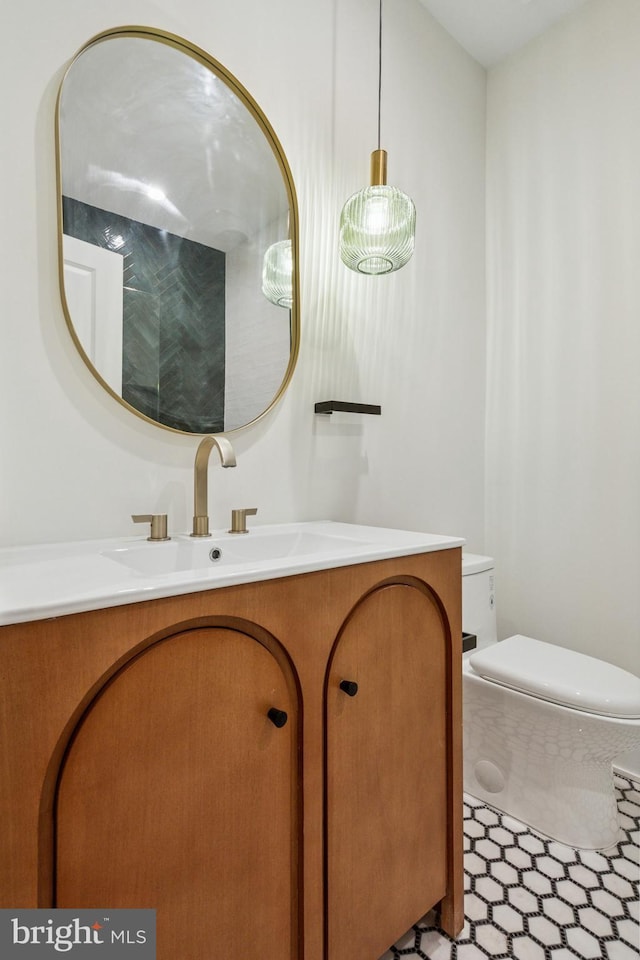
{"x":51,"y":580}
{"x":257,"y":547}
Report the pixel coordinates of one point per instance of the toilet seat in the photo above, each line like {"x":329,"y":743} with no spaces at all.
{"x":562,"y":676}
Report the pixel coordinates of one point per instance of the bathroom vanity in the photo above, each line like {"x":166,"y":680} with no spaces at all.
{"x":270,"y":757}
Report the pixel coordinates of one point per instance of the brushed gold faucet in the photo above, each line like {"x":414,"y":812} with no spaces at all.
{"x":200,"y":480}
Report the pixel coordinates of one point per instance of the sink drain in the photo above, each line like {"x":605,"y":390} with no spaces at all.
{"x":215,"y":553}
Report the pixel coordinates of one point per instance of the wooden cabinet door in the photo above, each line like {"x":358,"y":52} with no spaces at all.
{"x":386,"y":771}
{"x":179,"y":793}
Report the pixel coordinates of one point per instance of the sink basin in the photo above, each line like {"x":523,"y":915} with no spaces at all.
{"x":51,"y":580}
{"x":258,"y":547}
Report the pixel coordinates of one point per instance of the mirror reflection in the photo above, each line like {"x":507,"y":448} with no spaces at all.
{"x":178,"y":245}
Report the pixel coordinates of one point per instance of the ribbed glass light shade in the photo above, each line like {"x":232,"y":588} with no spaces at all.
{"x":377,"y":230}
{"x":277,"y":274}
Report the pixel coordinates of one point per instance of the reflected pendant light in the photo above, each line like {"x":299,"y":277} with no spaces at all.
{"x":277,"y":274}
{"x":377,"y":224}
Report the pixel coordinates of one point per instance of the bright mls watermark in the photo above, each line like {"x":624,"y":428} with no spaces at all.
{"x":79,"y":934}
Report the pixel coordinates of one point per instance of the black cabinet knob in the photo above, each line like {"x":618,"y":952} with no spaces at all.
{"x":278,"y":717}
{"x":350,"y":687}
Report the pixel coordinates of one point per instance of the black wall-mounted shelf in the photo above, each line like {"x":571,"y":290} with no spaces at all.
{"x":469,"y":642}
{"x":339,"y":406}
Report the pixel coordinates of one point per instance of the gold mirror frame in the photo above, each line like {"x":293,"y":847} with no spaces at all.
{"x":218,"y":70}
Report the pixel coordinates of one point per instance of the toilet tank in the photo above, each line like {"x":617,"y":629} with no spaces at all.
{"x":479,"y":598}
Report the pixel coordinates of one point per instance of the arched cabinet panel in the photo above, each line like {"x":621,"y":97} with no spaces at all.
{"x":178,"y":792}
{"x":386,"y":770}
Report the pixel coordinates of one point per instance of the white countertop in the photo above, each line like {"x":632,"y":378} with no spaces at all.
{"x":51,"y":580}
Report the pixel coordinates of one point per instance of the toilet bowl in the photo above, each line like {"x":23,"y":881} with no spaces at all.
{"x":542,"y":726}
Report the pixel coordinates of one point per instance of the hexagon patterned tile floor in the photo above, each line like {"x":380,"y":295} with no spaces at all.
{"x":530,"y":898}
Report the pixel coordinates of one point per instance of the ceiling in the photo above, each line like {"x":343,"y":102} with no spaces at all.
{"x":490,"y":30}
{"x":152,"y":134}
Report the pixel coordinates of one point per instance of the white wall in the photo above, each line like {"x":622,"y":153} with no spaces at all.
{"x":75,"y":465}
{"x":563,"y":408}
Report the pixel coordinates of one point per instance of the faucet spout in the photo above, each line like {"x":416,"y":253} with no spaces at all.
{"x":201,"y":480}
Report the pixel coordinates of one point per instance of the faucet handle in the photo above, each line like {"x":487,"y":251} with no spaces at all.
{"x":239,"y":519}
{"x":158,"y":523}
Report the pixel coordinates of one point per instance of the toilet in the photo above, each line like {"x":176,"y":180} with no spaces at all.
{"x":542,"y":724}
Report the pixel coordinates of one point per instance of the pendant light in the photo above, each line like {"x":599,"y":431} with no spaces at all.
{"x":377,"y":224}
{"x":277,"y":274}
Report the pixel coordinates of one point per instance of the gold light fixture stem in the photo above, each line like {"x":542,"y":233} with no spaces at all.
{"x":378,"y":167}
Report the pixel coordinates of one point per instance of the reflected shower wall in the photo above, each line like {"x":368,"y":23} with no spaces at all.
{"x":173,"y":367}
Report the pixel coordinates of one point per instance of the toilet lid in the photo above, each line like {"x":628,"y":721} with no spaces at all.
{"x":561,"y":676}
{"x":476,"y":563}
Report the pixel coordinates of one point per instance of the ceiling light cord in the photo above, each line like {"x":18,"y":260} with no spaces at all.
{"x":379,"y":70}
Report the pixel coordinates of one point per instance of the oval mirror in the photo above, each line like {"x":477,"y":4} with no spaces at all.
{"x":178,"y":233}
